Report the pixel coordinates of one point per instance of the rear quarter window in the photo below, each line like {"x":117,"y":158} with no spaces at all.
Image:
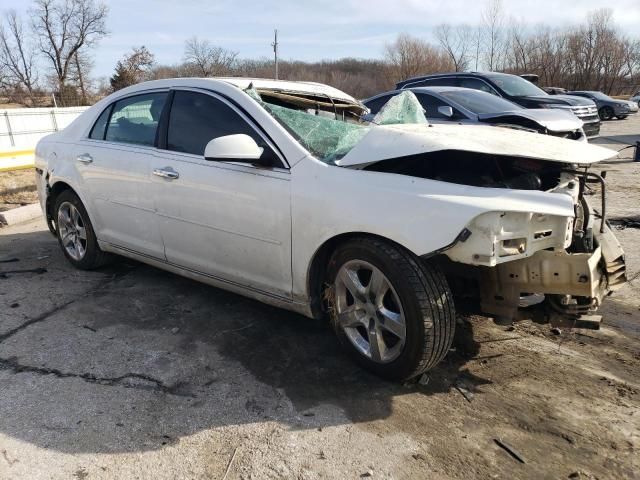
{"x":97,"y":132}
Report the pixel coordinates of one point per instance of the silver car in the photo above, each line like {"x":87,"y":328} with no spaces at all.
{"x":468,"y":106}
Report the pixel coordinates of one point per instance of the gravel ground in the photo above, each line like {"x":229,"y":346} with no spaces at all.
{"x":131,"y":372}
{"x":17,"y":188}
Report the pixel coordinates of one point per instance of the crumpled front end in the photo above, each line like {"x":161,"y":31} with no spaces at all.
{"x":554,"y":268}
{"x":569,"y":285}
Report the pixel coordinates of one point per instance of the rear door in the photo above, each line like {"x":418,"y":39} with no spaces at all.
{"x":228,"y":220}
{"x":114,"y":163}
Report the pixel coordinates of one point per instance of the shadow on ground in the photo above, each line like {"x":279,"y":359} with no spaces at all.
{"x":145,"y":357}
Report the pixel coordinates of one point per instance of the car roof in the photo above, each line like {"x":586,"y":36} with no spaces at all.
{"x":452,"y":74}
{"x":288,"y":85}
{"x":440,"y":89}
{"x":311,"y":88}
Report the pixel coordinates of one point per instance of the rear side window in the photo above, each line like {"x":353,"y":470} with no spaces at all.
{"x":476,"y":84}
{"x":197,"y":118}
{"x":97,"y":132}
{"x":135,"y":119}
{"x":435,"y":82}
{"x":376,"y":104}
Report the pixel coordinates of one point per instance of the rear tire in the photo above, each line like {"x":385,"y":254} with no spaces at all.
{"x":75,"y":233}
{"x":414,"y":303}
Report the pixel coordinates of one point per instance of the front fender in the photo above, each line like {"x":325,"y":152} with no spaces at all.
{"x":422,"y":215}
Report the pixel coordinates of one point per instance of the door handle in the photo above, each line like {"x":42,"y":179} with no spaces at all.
{"x":166,"y":173}
{"x":85,"y":158}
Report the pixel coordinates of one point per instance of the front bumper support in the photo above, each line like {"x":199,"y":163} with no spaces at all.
{"x":588,"y":277}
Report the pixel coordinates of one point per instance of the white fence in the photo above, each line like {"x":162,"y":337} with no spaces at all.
{"x":21,"y":128}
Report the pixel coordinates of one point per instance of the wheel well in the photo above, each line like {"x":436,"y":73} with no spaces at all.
{"x":52,"y":194}
{"x":318,"y":270}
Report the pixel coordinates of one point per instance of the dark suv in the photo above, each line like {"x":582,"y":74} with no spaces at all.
{"x":516,"y":89}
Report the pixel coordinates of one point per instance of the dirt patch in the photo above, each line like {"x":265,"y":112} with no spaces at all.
{"x":17,"y":188}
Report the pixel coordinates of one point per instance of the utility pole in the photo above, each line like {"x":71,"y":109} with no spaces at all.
{"x":275,"y":50}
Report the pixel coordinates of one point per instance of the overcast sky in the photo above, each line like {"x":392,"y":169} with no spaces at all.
{"x":314,"y":30}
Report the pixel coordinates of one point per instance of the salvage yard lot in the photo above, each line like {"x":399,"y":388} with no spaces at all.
{"x":131,"y":372}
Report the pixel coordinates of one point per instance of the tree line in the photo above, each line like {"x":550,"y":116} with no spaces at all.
{"x":52,"y":54}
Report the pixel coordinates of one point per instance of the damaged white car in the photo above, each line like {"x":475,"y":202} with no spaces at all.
{"x":278,"y":191}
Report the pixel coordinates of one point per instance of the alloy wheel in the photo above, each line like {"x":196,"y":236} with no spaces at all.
{"x":72,"y":231}
{"x":370,"y":312}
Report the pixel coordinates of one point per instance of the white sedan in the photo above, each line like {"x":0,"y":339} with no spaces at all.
{"x":279,"y":191}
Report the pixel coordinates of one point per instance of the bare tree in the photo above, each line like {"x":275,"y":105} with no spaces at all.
{"x":457,"y":42}
{"x":208,"y":60}
{"x":493,"y":26}
{"x":63,"y":27}
{"x":410,"y":56}
{"x":17,"y":56}
{"x":133,"y":68}
{"x":79,"y":77}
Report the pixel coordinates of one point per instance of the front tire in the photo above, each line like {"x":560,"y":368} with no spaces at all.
{"x":391,"y":311}
{"x":606,"y":113}
{"x":621,"y":117}
{"x":75,"y":233}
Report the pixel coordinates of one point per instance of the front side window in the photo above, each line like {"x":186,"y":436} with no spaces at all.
{"x":196,"y":119}
{"x":431,"y":104}
{"x":480,"y":102}
{"x":135,"y":119}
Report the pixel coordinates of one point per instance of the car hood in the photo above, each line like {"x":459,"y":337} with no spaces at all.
{"x":555,"y":120}
{"x":393,"y":141}
{"x":565,"y":99}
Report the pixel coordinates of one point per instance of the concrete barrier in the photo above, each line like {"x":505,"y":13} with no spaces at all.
{"x":16,"y":160}
{"x":20,"y":214}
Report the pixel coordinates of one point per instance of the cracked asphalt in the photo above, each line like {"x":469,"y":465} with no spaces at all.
{"x":131,"y":372}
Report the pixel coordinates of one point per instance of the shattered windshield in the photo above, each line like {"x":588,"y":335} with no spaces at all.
{"x":328,"y":138}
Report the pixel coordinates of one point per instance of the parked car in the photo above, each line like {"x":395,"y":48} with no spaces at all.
{"x":278,"y":191}
{"x":607,"y":107}
{"x":515,"y":89}
{"x":467,"y":106}
{"x":636,"y":98}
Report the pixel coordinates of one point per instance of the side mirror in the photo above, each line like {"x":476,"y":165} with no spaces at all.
{"x":447,"y":111}
{"x":233,"y":148}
